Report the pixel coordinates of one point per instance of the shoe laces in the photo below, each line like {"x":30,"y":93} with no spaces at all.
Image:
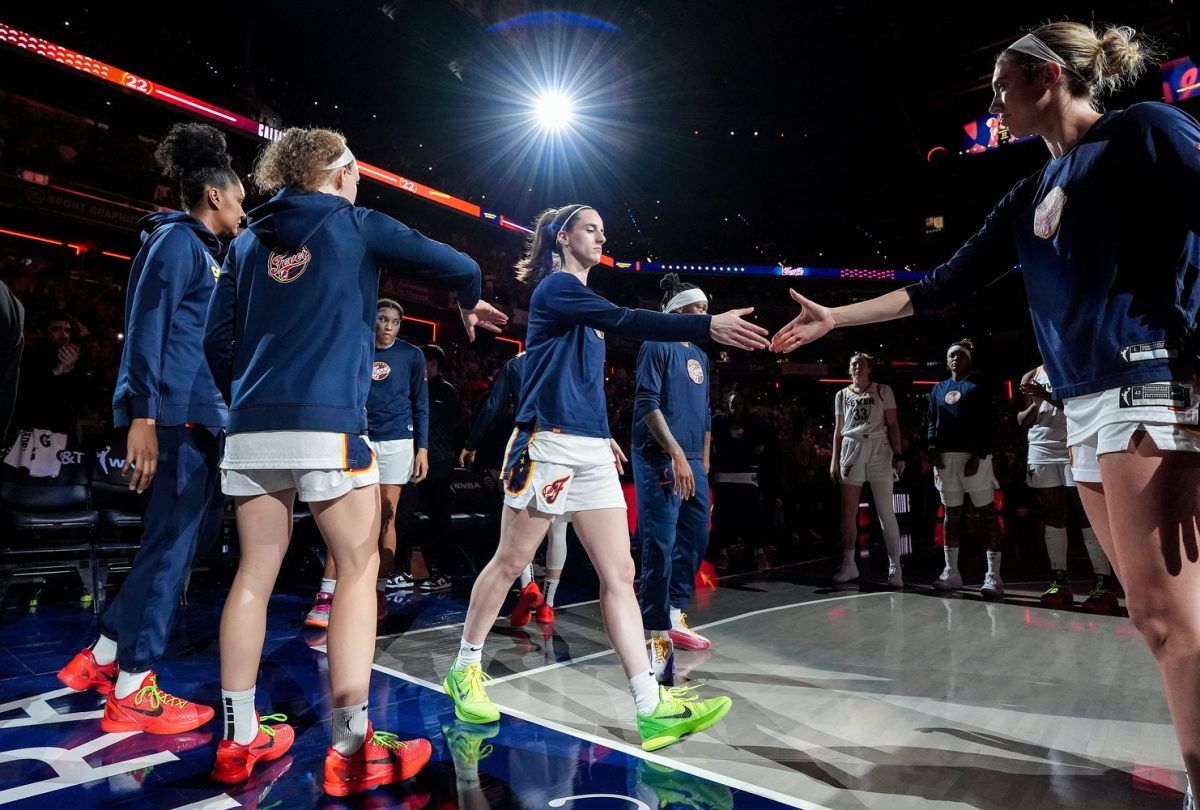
{"x":275,"y":718}
{"x":661,"y":647}
{"x":387,"y":740}
{"x":678,"y":695}
{"x":156,"y":696}
{"x":474,"y":677}
{"x":1098,"y":589}
{"x":683,"y":625}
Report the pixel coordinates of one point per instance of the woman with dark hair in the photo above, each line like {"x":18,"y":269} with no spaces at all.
{"x":167,"y":398}
{"x":1106,"y":234}
{"x":291,"y":339}
{"x":672,"y":436}
{"x":561,"y":460}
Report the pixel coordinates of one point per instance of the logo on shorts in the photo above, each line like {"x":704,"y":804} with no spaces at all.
{"x":380,"y":371}
{"x":286,"y":268}
{"x":695,"y":371}
{"x":551,"y":491}
{"x":1169,"y":395}
{"x":599,"y":334}
{"x":953,"y":396}
{"x":1049,"y":213}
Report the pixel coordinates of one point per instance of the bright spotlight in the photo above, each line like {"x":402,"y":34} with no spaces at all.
{"x":554,"y":111}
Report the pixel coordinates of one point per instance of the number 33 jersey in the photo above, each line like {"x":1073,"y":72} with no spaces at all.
{"x":862,"y":411}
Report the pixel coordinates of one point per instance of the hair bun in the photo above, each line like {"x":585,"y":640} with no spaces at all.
{"x":192,"y":146}
{"x":669,"y":282}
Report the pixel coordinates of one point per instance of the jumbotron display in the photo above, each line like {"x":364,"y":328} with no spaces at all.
{"x":140,"y":84}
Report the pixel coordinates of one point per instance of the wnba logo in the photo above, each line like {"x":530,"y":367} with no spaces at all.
{"x":286,"y":268}
{"x":551,"y":491}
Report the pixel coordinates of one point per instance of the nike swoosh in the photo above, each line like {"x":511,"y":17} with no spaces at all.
{"x":155,"y":713}
{"x":683,"y":715}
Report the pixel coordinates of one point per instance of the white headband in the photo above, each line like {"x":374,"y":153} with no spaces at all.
{"x":693,"y":295}
{"x":958,"y":346}
{"x":1032,"y":46}
{"x":567,"y":221}
{"x":345,"y":159}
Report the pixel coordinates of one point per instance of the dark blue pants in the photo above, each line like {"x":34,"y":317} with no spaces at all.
{"x":181,"y":516}
{"x":674,"y":535}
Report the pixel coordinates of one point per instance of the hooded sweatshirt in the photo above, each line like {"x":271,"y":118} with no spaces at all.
{"x":164,"y":374}
{"x":291,"y":328}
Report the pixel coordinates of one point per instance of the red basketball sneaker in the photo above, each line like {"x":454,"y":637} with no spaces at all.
{"x":545,"y":614}
{"x":235,"y":762}
{"x":382,"y":760}
{"x":529,"y":601}
{"x":84,"y":673}
{"x":153,"y":711}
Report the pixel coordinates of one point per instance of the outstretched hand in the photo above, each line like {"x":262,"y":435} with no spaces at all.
{"x":732,"y":330}
{"x":483,"y":315}
{"x":812,"y":324}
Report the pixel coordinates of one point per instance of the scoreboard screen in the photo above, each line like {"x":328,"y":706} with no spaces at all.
{"x":986,"y":133}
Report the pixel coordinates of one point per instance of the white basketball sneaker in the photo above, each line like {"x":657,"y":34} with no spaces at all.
{"x":950,"y":580}
{"x":993,"y":586}
{"x":847,"y":573}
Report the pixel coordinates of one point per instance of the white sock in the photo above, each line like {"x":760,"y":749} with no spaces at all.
{"x":848,"y":556}
{"x":644,"y":689}
{"x":1100,"y":563}
{"x":349,"y":728}
{"x":677,"y":618}
{"x":1056,"y":547}
{"x":526,"y":575}
{"x":952,"y":558}
{"x":128,"y":683}
{"x":993,"y":558}
{"x":240,"y":719}
{"x":468,"y":654}
{"x":104,"y":650}
{"x":327,"y":585}
{"x":551,"y":585}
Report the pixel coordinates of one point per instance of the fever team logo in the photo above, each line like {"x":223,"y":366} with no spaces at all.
{"x":286,"y":268}
{"x":1049,"y":213}
{"x":551,"y":491}
{"x":953,"y":396}
{"x":380,"y":371}
{"x":695,"y":371}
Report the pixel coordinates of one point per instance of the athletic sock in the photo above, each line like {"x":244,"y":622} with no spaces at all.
{"x":104,"y":650}
{"x":349,"y":728}
{"x":677,"y":618}
{"x":128,"y":683}
{"x":468,"y":654}
{"x":526,"y":575}
{"x":1056,"y":547}
{"x":327,"y":585}
{"x":993,"y":561}
{"x":952,"y":558}
{"x":551,"y":587}
{"x":240,"y":725}
{"x":1100,"y":563}
{"x":644,"y":689}
{"x":848,"y":556}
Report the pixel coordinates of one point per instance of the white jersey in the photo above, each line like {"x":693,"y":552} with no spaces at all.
{"x":862,"y":411}
{"x":1048,"y":433}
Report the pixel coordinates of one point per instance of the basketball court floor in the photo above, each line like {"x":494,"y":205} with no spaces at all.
{"x":842,"y":699}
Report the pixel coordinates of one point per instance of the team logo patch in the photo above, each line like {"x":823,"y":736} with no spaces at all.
{"x":286,"y":268}
{"x":1049,"y":213}
{"x":551,"y":491}
{"x":695,"y":371}
{"x":216,"y":271}
{"x":599,"y":334}
{"x":953,"y":397}
{"x":380,"y":371}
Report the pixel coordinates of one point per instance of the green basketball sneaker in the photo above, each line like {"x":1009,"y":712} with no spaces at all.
{"x":679,"y":713}
{"x":471,"y":704}
{"x":467,"y":741}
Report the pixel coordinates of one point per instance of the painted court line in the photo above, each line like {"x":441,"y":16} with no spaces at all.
{"x":624,"y":747}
